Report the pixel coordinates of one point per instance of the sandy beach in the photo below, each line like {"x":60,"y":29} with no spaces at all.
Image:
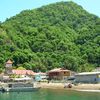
{"x":74,"y":87}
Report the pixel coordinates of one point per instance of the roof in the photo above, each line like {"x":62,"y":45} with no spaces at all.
{"x":9,"y":62}
{"x":23,"y":72}
{"x":40,"y":73}
{"x":88,"y":73}
{"x":24,"y":78}
{"x":58,"y":70}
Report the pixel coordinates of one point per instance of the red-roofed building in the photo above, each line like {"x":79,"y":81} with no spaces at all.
{"x":23,"y":72}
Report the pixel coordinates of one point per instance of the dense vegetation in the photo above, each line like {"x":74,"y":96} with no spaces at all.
{"x":56,"y":35}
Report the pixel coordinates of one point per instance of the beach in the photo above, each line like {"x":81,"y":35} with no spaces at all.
{"x":74,"y":87}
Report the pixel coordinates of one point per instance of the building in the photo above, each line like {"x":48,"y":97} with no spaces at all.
{"x":40,"y":76}
{"x":88,"y":77}
{"x":23,"y":72}
{"x":8,"y":67}
{"x":59,"y":73}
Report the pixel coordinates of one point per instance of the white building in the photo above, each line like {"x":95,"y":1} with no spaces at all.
{"x":88,"y":77}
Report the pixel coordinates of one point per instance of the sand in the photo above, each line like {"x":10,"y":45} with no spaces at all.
{"x":78,"y":87}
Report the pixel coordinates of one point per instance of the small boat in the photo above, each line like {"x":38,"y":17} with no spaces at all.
{"x":20,"y":87}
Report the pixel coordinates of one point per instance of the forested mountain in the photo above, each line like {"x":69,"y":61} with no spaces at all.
{"x":57,"y":35}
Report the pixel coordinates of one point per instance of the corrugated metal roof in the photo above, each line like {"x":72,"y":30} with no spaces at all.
{"x":40,"y":73}
{"x":88,"y":73}
{"x":58,"y":70}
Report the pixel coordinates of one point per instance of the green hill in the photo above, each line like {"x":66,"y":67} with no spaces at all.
{"x":57,"y":35}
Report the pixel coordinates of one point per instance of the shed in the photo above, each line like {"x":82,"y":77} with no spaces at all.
{"x":88,"y":77}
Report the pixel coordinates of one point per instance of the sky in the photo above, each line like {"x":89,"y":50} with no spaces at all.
{"x":9,"y":8}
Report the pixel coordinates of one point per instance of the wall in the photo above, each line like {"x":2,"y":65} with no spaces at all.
{"x":86,"y":78}
{"x":66,"y":73}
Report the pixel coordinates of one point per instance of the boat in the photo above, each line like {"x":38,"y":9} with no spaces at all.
{"x":20,"y":87}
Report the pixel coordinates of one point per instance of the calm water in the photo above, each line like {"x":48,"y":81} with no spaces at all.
{"x":48,"y":94}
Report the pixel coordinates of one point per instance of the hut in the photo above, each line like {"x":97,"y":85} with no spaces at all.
{"x":59,"y":74}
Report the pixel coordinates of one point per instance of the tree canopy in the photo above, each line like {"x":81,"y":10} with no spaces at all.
{"x":57,"y":35}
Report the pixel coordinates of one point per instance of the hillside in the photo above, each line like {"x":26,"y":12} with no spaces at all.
{"x":57,"y":35}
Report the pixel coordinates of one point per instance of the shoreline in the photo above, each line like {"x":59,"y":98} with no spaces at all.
{"x":79,"y":87}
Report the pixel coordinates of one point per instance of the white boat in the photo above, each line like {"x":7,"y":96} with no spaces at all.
{"x":20,"y":87}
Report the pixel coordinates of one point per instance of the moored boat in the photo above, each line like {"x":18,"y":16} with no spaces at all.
{"x":20,"y":87}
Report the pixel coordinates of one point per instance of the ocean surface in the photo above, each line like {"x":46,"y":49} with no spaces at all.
{"x":50,"y":94}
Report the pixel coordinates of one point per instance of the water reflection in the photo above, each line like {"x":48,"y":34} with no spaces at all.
{"x":50,"y":94}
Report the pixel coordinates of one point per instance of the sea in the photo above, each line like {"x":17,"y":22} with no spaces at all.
{"x":50,"y":94}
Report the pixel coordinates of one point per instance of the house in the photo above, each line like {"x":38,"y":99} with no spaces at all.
{"x":23,"y":75}
{"x":59,"y":73}
{"x":87,"y":77}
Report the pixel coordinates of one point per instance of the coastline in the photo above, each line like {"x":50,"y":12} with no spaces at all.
{"x":79,"y":87}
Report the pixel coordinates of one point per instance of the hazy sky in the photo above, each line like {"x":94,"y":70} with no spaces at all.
{"x":10,"y":8}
